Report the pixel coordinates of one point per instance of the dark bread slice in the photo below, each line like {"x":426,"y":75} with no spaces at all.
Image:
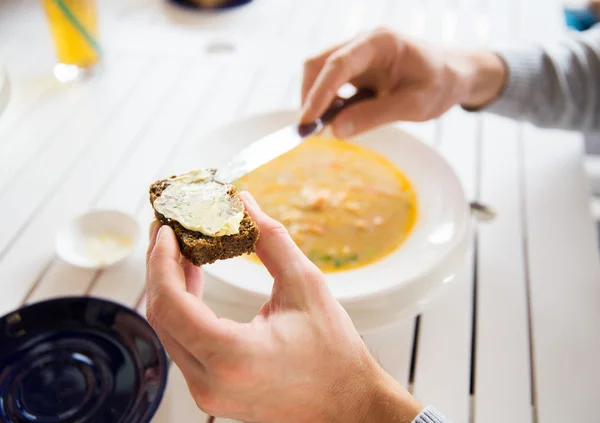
{"x":201,"y":249}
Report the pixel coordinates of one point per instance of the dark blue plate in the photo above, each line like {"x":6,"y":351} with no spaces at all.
{"x":79,"y":360}
{"x":190,"y":5}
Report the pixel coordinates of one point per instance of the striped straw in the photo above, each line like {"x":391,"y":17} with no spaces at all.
{"x":75,"y":22}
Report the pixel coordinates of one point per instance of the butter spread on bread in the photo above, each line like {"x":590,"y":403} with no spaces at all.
{"x":201,"y":204}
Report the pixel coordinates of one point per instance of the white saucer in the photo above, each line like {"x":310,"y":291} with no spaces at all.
{"x":98,"y":239}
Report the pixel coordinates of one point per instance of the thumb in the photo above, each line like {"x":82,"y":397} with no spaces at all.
{"x":163,"y":261}
{"x":370,"y":114}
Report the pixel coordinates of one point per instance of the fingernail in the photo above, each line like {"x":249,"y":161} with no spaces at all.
{"x":248,"y":198}
{"x":344,"y":129}
{"x":161,"y":233}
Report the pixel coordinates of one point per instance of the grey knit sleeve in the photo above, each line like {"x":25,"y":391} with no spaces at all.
{"x":556,"y":86}
{"x":430,"y":415}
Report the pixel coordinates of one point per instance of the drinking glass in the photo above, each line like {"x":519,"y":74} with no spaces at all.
{"x":73,"y":25}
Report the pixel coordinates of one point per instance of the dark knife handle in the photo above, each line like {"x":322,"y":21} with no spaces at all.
{"x":341,"y":103}
{"x":336,"y":107}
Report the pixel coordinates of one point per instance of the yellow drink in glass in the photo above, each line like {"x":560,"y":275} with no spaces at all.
{"x":73,"y":25}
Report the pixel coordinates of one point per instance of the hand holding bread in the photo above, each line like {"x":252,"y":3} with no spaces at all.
{"x":208,"y":218}
{"x":299,"y":360}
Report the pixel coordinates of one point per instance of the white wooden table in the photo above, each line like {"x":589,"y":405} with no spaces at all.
{"x":516,"y":340}
{"x":4,"y":89}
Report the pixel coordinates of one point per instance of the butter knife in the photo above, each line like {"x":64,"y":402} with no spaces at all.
{"x":274,"y":145}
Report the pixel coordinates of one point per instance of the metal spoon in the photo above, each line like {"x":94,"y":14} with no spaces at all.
{"x":482,"y":212}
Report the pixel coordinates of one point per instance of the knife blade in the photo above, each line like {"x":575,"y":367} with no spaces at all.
{"x":280,"y":142}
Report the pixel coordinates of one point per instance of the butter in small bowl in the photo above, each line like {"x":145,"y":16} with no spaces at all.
{"x":97,"y":239}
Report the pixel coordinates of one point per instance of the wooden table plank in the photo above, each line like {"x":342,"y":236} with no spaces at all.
{"x":502,"y":353}
{"x":419,"y":20}
{"x":540,"y":21}
{"x":31,"y":252}
{"x":303,"y":24}
{"x":398,"y":15}
{"x":442,"y":379}
{"x":333,"y":23}
{"x":45,"y":170}
{"x":29,"y":79}
{"x":77,"y":108}
{"x":373,"y":14}
{"x":563,"y":279}
{"x":292,"y":98}
{"x":503,"y":22}
{"x":502,"y":360}
{"x":436,"y":21}
{"x":564,"y":276}
{"x":52,"y":113}
{"x":269,"y":87}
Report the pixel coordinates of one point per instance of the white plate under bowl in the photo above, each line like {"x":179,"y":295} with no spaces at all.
{"x":370,"y":314}
{"x":97,"y":239}
{"x":441,"y":227}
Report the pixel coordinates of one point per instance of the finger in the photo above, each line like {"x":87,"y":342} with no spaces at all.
{"x":188,"y":320}
{"x":193,"y":278}
{"x":364,"y":116}
{"x":186,"y":361}
{"x":275,"y":248}
{"x":341,"y":67}
{"x":163,"y":261}
{"x":313,"y":66}
{"x":152,"y":232}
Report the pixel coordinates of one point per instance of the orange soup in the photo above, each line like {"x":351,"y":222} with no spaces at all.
{"x":344,"y":205}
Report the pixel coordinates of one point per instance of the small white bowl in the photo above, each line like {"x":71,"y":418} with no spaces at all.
{"x":98,"y":239}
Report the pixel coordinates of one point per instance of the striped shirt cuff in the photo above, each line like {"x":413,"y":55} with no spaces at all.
{"x":525,"y":66}
{"x":430,"y":415}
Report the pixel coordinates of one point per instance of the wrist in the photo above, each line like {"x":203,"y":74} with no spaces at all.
{"x":391,"y":403}
{"x":484,"y":79}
